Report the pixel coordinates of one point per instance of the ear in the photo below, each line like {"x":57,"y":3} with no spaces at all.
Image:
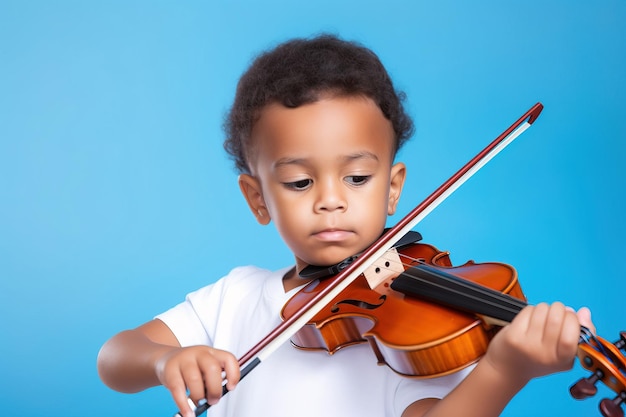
{"x":253,"y":193}
{"x":396,"y":182}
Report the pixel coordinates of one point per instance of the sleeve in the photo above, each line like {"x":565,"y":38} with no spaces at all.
{"x":410,"y":390}
{"x":193,"y":321}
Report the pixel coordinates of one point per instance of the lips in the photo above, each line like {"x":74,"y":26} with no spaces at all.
{"x":333,"y":235}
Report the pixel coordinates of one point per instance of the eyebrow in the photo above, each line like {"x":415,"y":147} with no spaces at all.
{"x":361,"y":155}
{"x":347,"y":158}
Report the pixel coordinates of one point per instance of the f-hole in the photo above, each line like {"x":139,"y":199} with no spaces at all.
{"x":359,"y":304}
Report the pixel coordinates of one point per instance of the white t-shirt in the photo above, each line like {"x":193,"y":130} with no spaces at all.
{"x":239,"y":310}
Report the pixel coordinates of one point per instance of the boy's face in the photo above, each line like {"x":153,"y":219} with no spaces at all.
{"x":323,"y":173}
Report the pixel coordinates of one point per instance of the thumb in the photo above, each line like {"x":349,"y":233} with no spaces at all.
{"x":584,"y":317}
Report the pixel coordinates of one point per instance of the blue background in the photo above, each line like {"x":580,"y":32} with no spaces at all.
{"x":116,"y":198}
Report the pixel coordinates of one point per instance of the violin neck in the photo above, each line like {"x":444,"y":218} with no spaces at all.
{"x":433,"y":284}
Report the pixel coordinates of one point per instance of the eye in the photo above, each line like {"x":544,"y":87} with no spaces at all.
{"x":299,"y":185}
{"x":358,"y":179}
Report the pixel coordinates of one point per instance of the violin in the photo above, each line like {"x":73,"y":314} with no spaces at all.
{"x":367,"y":296}
{"x":424,"y":317}
{"x":388,"y":307}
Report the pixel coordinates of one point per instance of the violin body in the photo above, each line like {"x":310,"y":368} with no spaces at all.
{"x":412,"y":336}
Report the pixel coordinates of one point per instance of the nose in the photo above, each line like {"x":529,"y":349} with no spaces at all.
{"x":330,"y":197}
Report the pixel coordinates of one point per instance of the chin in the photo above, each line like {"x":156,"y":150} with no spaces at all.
{"x":331,"y":258}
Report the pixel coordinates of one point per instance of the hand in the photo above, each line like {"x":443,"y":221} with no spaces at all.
{"x":198,"y":369}
{"x":541,"y":340}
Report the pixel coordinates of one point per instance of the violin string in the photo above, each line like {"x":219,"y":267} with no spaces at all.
{"x":496,"y":304}
{"x":500,"y":300}
{"x":486,"y":296}
{"x":515,"y":305}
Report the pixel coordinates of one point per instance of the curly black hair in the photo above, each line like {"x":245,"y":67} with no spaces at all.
{"x":299,"y":72}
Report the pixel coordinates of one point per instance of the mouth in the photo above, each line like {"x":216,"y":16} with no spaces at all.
{"x":333,"y":235}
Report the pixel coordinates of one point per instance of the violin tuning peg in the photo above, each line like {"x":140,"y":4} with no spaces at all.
{"x":612,"y":408}
{"x":586,"y":387}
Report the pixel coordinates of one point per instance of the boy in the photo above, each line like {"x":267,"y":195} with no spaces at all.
{"x":314,"y":130}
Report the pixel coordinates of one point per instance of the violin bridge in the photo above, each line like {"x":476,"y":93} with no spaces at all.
{"x":387,"y":266}
{"x":492,"y":321}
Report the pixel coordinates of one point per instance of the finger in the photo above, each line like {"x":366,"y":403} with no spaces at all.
{"x":584,"y":316}
{"x":522,"y":320}
{"x":555,"y":316}
{"x":570,"y":334}
{"x":212,"y":378}
{"x":179,"y":394}
{"x":536,"y":324}
{"x":232,"y":371}
{"x":194,"y":381}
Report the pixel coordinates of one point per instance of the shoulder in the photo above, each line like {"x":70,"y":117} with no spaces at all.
{"x":245,"y":274}
{"x":197,"y":318}
{"x":238,"y":284}
{"x":240,"y":280}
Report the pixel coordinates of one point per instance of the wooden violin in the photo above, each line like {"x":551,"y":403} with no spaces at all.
{"x":414,"y":336}
{"x":424,"y":317}
{"x":336,"y":312}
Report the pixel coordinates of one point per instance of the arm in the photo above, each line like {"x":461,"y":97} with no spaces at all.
{"x":540,"y":341}
{"x":150,"y":355}
{"x":126,"y":362}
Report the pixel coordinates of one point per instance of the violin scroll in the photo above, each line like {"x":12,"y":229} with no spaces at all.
{"x":607,"y":363}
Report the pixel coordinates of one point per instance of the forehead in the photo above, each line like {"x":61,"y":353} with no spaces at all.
{"x":329,"y":127}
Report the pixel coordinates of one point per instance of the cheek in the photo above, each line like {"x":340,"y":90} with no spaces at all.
{"x":371,"y":211}
{"x":288,"y":214}
{"x":378,"y":201}
{"x":292,"y":226}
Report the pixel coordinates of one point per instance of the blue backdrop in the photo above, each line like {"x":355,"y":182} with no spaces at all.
{"x":116,"y":198}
